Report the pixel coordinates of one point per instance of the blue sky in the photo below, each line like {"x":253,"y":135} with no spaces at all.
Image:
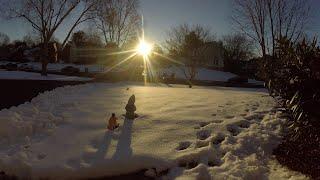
{"x":161,"y":15}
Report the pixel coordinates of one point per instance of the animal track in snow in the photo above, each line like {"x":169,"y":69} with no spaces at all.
{"x":183,"y":145}
{"x":203,"y":134}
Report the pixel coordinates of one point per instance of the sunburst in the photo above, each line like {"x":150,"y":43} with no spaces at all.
{"x":144,"y":49}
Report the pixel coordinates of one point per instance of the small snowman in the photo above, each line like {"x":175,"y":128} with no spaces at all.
{"x":131,"y":108}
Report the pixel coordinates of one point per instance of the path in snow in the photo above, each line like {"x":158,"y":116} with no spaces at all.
{"x":181,"y":132}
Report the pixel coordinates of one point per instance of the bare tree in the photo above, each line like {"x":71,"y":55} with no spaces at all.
{"x":251,"y":16}
{"x":46,"y":16}
{"x":85,"y":15}
{"x":266,"y":21}
{"x":4,"y":39}
{"x":237,"y":48}
{"x":117,"y":20}
{"x":183,"y":42}
{"x":177,"y":36}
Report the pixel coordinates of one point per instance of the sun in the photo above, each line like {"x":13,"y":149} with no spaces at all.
{"x":144,"y":48}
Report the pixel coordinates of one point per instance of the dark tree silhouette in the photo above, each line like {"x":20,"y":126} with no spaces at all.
{"x":182,"y":43}
{"x":117,"y":20}
{"x":265,"y":21}
{"x":4,"y":39}
{"x":237,"y":48}
{"x":176,"y":37}
{"x":46,"y":16}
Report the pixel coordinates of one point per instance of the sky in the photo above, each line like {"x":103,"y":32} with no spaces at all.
{"x":161,"y":15}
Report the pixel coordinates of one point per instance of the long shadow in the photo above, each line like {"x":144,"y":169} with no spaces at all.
{"x":104,"y":146}
{"x":124,"y":149}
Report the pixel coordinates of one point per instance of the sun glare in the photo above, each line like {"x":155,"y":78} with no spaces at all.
{"x":144,"y":48}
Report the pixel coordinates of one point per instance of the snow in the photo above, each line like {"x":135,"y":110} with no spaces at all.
{"x":198,"y":133}
{"x":93,"y":68}
{"x":204,"y":74}
{"x":21,"y":75}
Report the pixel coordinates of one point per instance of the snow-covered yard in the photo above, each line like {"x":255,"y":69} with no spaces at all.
{"x":203,"y":74}
{"x":199,"y":133}
{"x":93,"y":68}
{"x":21,"y":75}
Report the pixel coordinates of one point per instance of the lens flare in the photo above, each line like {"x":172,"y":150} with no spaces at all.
{"x":144,"y":48}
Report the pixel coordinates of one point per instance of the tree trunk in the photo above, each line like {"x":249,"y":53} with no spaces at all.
{"x":44,"y":59}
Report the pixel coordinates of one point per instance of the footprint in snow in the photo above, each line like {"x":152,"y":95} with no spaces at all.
{"x":188,"y":165}
{"x":233,"y":129}
{"x":183,"y":145}
{"x":203,"y":134}
{"x":243,"y":124}
{"x":73,"y":163}
{"x":243,"y":114}
{"x":154,"y":172}
{"x":201,"y":144}
{"x":204,"y":124}
{"x":214,"y":163}
{"x":95,"y":143}
{"x":218,"y":139}
{"x":217,"y":121}
{"x":255,"y":116}
{"x":41,"y":156}
{"x":228,"y":116}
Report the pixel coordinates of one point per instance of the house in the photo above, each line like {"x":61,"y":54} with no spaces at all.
{"x":90,"y":55}
{"x":210,"y":55}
